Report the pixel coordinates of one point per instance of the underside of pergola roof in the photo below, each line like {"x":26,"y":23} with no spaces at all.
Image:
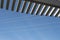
{"x":34,"y":7}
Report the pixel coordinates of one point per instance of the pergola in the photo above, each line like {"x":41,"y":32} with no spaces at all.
{"x":35,"y":7}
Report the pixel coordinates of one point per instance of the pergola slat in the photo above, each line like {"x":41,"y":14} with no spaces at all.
{"x":7,"y":4}
{"x":13,"y":4}
{"x":18,"y":7}
{"x":2,"y":3}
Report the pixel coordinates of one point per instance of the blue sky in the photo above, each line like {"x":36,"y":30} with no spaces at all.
{"x":21,"y":26}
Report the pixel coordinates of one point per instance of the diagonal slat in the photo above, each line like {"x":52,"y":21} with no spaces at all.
{"x":33,"y":5}
{"x":26,"y":8}
{"x":23,"y":7}
{"x":34,"y":9}
{"x":2,"y":3}
{"x":53,"y":12}
{"x":57,"y":14}
{"x":56,"y":11}
{"x":39,"y":9}
{"x":48,"y":11}
{"x":18,"y":7}
{"x":22,"y":4}
{"x":29,"y":8}
{"x":7,"y":4}
{"x":13,"y":4}
{"x":44,"y":10}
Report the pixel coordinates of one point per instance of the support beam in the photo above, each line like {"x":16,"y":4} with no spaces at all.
{"x":54,"y":3}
